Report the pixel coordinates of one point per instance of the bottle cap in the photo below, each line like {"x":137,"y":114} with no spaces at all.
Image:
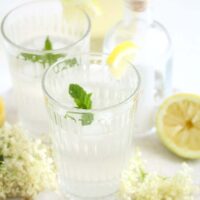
{"x":138,"y":5}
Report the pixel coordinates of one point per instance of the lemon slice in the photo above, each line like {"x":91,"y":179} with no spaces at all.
{"x":90,"y":6}
{"x":178,"y":125}
{"x":2,"y":112}
{"x":119,"y":57}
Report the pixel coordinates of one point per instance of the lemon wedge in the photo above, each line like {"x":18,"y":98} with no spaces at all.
{"x":178,"y":125}
{"x":119,"y":57}
{"x":2,"y":112}
{"x":90,"y":6}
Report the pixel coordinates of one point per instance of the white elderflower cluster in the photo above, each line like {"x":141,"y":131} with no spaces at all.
{"x":26,"y":166}
{"x":138,"y":184}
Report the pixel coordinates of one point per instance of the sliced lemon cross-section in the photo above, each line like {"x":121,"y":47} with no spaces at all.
{"x":119,"y":57}
{"x":178,"y":125}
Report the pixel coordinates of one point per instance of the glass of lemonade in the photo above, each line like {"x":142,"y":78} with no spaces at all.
{"x":92,"y":117}
{"x":37,"y":34}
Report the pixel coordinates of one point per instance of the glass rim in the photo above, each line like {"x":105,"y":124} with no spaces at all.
{"x":35,"y":51}
{"x":97,"y":110}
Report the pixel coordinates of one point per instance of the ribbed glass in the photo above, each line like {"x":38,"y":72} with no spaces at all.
{"x":91,"y":158}
{"x":25,"y":30}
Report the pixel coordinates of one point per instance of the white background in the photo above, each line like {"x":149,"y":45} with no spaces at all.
{"x":180,"y":17}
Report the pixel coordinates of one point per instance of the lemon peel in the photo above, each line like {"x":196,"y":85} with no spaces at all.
{"x":119,"y":58}
{"x":178,"y":125}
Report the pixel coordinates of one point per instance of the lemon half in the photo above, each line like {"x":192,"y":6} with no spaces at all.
{"x":178,"y":125}
{"x":119,"y":57}
{"x":2,"y":112}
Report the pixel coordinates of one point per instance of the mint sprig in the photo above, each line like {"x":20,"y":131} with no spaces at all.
{"x":44,"y":59}
{"x":80,"y":96}
{"x":82,"y":100}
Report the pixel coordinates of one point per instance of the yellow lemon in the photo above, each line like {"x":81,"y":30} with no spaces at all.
{"x":178,"y":125}
{"x":119,"y":57}
{"x":2,"y":112}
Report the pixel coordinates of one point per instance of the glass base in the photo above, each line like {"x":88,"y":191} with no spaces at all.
{"x":90,"y":190}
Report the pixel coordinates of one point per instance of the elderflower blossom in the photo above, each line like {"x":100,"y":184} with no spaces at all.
{"x":138,"y":184}
{"x":26,"y":166}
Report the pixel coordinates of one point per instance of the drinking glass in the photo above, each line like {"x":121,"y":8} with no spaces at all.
{"x":92,"y":146}
{"x":37,"y":34}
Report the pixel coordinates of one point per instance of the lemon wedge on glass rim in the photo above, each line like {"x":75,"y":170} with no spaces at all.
{"x":118,"y":59}
{"x":2,"y":112}
{"x":178,"y":125}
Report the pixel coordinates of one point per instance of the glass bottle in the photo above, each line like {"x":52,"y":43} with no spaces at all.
{"x":153,"y":59}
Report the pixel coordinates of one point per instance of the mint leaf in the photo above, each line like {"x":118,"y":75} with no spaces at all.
{"x":30,"y":57}
{"x":80,"y":96}
{"x":87,"y":119}
{"x":48,"y":44}
{"x":82,"y":100}
{"x":66,"y":64}
{"x":46,"y":59}
{"x":50,"y":58}
{"x":71,"y":62}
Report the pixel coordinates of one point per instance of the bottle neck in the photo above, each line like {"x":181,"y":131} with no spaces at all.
{"x":138,"y":10}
